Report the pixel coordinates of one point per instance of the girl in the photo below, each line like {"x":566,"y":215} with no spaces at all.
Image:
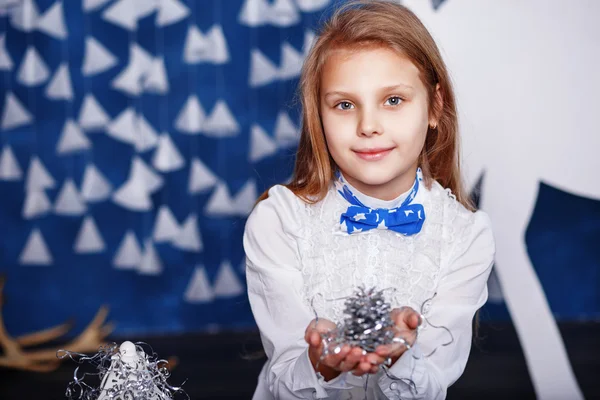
{"x":376,"y":200}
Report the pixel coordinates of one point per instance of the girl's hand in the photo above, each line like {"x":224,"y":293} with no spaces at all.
{"x":407,"y":321}
{"x":348,"y":359}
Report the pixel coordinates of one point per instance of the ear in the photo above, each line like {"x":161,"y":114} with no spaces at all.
{"x":438,"y":106}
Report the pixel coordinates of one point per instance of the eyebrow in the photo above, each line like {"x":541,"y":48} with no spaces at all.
{"x":383,"y":89}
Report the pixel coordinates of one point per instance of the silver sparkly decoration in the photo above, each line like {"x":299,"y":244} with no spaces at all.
{"x":124,"y":372}
{"x":367,"y":323}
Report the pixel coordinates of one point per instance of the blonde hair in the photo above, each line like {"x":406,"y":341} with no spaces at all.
{"x":365,"y":24}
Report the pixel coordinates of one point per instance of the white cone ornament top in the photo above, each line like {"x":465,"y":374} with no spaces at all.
{"x":126,"y":372}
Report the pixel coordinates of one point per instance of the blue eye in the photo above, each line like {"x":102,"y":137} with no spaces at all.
{"x":345,"y":105}
{"x":394,"y":101}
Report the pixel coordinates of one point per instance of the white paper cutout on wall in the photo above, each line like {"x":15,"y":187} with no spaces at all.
{"x":166,"y":227}
{"x":131,"y":78}
{"x":53,"y":22}
{"x":198,"y":289}
{"x":123,"y":13}
{"x":157,"y":80}
{"x":191,"y":117}
{"x":93,"y":5}
{"x":92,"y":116}
{"x":38,"y":177}
{"x":261,"y":144}
{"x":201,"y":178}
{"x":60,"y":87}
{"x":24,"y":17}
{"x":221,"y":122}
{"x":167,"y":157}
{"x":246,"y":198}
{"x":33,"y":70}
{"x":6,"y":63}
{"x":146,"y":137}
{"x":189,"y":237}
{"x":95,"y":186}
{"x":35,"y":251}
{"x":286,"y":133}
{"x":72,"y":139}
{"x":14,"y":113}
{"x":97,"y":58}
{"x":170,"y":12}
{"x":291,"y":64}
{"x":129,"y":254}
{"x":150,"y":264}
{"x":220,"y":203}
{"x":227,"y":283}
{"x":262,"y":70}
{"x":284,"y":13}
{"x":88,"y":239}
{"x":69,"y":201}
{"x":312,"y":5}
{"x":36,"y":204}
{"x":255,"y":13}
{"x":9,"y":166}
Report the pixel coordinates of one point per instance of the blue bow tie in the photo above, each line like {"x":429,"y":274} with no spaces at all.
{"x":406,"y":219}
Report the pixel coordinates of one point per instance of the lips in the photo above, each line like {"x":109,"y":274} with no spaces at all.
{"x":373,"y":154}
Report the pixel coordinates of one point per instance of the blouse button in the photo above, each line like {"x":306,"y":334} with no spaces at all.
{"x":393,"y":386}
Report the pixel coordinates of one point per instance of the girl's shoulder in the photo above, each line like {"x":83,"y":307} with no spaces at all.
{"x":280,"y":210}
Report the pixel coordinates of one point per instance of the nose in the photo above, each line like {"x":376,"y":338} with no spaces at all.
{"x":369,"y":124}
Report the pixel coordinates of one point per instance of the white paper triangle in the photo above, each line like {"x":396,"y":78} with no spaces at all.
{"x":291,"y":64}
{"x":217,"y":49}
{"x":133,"y":195}
{"x":53,"y":22}
{"x":24,"y":17}
{"x":312,"y":5}
{"x":72,"y":139}
{"x":157,"y":80}
{"x":166,"y":227}
{"x":309,"y":41}
{"x":171,"y":12}
{"x":145,"y":8}
{"x":93,"y":5}
{"x":166,"y":157}
{"x":146,"y":138}
{"x":124,"y":127}
{"x":38,"y":177}
{"x":191,"y":117}
{"x":9,"y":166}
{"x":221,"y":122}
{"x":262,"y":70}
{"x":254,"y":13}
{"x":140,"y":171}
{"x":6,"y":63}
{"x":36,"y":204}
{"x":201,"y":178}
{"x":261,"y":145}
{"x":245,"y":199}
{"x":129,"y":254}
{"x":189,"y":237}
{"x":60,"y":87}
{"x":97,"y":58}
{"x":123,"y":13}
{"x":130,"y":80}
{"x":95,"y":186}
{"x":69,"y":201}
{"x":35,"y":251}
{"x":220,"y":203}
{"x":196,"y":48}
{"x":14,"y":113}
{"x":227,"y":283}
{"x":284,"y":13}
{"x":91,"y":115}
{"x":286,"y":133}
{"x":150,"y":263}
{"x":88,"y":239}
{"x":198,"y":289}
{"x":33,"y":70}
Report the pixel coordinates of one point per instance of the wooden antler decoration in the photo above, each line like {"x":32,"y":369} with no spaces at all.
{"x":45,"y":360}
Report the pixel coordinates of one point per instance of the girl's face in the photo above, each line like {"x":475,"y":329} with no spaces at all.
{"x":374,"y":110}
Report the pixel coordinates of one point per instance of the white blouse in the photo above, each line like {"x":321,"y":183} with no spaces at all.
{"x":299,"y":262}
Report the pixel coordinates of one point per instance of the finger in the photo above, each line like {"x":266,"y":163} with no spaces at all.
{"x":374,"y":359}
{"x":362,"y":368}
{"x":334,"y":359}
{"x":354,"y":356}
{"x":346,"y":365}
{"x":414,"y":320}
